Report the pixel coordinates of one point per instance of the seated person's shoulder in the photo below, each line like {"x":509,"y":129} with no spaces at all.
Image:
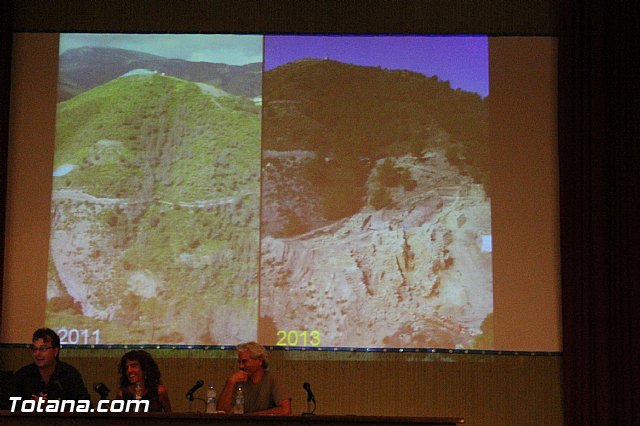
{"x":66,"y":366}
{"x":24,"y":373}
{"x":26,"y":369}
{"x":68,"y":369}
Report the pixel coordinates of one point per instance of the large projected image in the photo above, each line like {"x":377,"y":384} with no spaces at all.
{"x":376,"y":219}
{"x":318,"y":191}
{"x":155,"y":205}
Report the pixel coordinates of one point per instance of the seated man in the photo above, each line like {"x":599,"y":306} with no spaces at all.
{"x":48,"y":377}
{"x":264,"y":392}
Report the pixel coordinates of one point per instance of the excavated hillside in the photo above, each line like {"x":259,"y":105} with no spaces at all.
{"x":376,"y":219}
{"x":413,"y":274}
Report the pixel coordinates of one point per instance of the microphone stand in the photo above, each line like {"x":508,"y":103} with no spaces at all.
{"x":203,"y":401}
{"x":190,"y":393}
{"x":310,"y":411}
{"x":191,"y":398}
{"x":310,"y":398}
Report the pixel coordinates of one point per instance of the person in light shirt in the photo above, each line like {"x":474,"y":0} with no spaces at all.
{"x":264,"y":392}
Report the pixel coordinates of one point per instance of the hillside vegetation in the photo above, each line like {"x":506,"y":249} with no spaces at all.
{"x":84,"y":68}
{"x":351,"y":116}
{"x":158,"y":205}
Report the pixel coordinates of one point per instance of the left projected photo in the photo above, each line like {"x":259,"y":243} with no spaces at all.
{"x":156,"y":189}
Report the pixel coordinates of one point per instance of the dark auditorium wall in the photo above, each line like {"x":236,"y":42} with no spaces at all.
{"x":485,"y":389}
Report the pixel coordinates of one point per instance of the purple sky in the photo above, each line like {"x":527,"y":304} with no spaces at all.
{"x":462,"y":60}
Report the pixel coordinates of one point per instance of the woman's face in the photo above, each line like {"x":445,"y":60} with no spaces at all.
{"x":134,"y":371}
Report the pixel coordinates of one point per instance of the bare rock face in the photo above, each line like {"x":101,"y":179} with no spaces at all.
{"x":75,"y":254}
{"x":413,"y":274}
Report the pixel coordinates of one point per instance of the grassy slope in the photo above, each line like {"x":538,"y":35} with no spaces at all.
{"x":185,"y":171}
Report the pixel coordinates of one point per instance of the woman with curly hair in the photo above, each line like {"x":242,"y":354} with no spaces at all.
{"x":140,"y":379}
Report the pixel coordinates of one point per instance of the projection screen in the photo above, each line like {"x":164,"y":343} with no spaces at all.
{"x":317,"y":191}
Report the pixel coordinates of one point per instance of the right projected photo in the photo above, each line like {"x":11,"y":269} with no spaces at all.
{"x":376,"y":204}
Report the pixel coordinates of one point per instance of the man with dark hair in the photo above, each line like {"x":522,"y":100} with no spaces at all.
{"x":264,"y":392}
{"x":48,"y":377}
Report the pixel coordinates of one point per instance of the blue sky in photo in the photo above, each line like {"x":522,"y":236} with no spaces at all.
{"x":461,"y":60}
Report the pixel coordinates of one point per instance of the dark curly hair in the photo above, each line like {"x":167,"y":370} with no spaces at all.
{"x":148,"y":365}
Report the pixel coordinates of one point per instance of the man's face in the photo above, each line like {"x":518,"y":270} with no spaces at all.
{"x":134,"y":371}
{"x":248,"y":364}
{"x":44,"y":355}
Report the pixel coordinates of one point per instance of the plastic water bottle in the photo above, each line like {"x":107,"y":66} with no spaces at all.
{"x":212,"y":398}
{"x":238,"y":402}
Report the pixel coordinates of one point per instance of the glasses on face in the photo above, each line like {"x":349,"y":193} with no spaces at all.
{"x":40,"y":349}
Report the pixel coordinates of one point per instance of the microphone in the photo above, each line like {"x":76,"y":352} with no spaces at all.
{"x":194,"y":388}
{"x":102,"y":390}
{"x":311,"y":400}
{"x":310,"y":396}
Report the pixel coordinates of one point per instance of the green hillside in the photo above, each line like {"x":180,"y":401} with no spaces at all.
{"x":160,"y":127}
{"x":163,"y":181}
